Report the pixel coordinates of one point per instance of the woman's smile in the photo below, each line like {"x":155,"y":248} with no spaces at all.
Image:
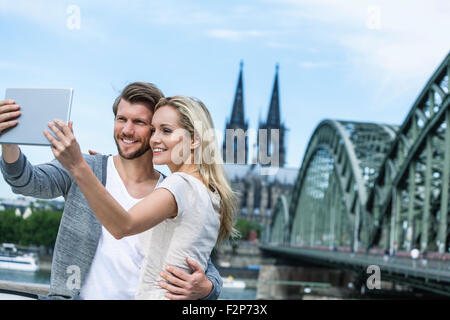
{"x":157,"y":151}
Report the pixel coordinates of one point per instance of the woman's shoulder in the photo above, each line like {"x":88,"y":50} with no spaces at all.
{"x":181,"y":177}
{"x":177,"y":177}
{"x":203,"y":194}
{"x":189,"y":185}
{"x":179,"y":183}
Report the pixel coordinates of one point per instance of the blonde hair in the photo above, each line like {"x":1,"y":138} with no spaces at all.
{"x":196,"y":119}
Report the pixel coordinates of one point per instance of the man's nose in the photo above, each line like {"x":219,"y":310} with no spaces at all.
{"x":128,"y":129}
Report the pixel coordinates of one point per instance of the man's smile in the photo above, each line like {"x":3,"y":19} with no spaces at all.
{"x":127,"y":141}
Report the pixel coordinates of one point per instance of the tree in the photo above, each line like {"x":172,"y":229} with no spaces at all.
{"x":244,"y":226}
{"x":10,"y":226}
{"x":39,"y":229}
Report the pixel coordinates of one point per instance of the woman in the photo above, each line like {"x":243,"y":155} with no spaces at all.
{"x":189,"y":211}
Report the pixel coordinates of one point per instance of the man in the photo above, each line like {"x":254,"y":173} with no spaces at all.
{"x":88,"y":262}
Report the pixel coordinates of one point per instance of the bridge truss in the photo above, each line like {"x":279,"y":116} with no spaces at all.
{"x":375,"y":188}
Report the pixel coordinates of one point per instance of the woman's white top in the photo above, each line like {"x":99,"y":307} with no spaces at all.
{"x":191,"y":234}
{"x":115,"y":269}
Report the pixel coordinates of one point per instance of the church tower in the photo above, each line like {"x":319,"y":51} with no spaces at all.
{"x":272,"y":141}
{"x":236,"y":128}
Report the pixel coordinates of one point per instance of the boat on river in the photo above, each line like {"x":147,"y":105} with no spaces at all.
{"x":13,"y":259}
{"x":231,"y":283}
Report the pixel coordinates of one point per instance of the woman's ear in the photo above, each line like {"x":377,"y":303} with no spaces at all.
{"x":195,"y":142}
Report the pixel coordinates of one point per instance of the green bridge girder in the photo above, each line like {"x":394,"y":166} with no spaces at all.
{"x":338,"y":170}
{"x":410,"y":196}
{"x":367,"y":186}
{"x":280,"y":222}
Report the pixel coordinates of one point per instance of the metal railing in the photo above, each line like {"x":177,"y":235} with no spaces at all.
{"x":22,"y":289}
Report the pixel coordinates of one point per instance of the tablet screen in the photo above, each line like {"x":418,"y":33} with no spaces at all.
{"x":37,"y":107}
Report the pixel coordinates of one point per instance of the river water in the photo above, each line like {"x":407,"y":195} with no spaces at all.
{"x":40,"y":277}
{"x":43,"y":277}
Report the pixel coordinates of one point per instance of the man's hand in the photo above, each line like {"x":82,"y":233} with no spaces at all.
{"x":9,"y":111}
{"x":184,"y":286}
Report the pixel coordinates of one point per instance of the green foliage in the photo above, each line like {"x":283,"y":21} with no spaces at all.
{"x":244,"y":226}
{"x":40,"y":228}
{"x":10,"y":226}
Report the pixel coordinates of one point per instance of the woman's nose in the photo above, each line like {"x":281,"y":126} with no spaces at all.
{"x":155,"y":137}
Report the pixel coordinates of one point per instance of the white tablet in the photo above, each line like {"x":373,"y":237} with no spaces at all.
{"x":37,"y":107}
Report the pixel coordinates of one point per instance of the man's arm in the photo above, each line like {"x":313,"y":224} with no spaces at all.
{"x":10,"y":153}
{"x":213,"y":275}
{"x":47,"y":181}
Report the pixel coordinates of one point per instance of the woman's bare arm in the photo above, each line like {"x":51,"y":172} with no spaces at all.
{"x":153,"y":209}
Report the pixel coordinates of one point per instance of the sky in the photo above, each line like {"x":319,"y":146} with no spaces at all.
{"x":347,"y":60}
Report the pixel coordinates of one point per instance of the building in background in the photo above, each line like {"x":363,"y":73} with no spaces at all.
{"x":236,"y":128}
{"x":271,"y":133}
{"x":24,"y":206}
{"x":258,"y":184}
{"x":257,"y":191}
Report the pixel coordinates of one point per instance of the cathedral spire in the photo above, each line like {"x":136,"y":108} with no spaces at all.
{"x":273,"y":118}
{"x":235,"y":145}
{"x":237,"y":113}
{"x":269,"y":145}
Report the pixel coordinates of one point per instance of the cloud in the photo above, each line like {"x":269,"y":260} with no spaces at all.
{"x":235,"y":35}
{"x":19,"y":66}
{"x":403,"y":38}
{"x":55,"y":17}
{"x":281,"y":45}
{"x":315,"y":64}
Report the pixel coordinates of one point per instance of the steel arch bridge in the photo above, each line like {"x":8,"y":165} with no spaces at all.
{"x":376,"y":190}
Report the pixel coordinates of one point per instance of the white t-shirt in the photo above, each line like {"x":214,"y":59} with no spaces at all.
{"x":115,"y":269}
{"x":192,"y":233}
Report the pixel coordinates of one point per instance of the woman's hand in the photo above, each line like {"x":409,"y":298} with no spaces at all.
{"x":66,"y":148}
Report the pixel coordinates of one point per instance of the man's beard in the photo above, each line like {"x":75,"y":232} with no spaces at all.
{"x":145,"y":147}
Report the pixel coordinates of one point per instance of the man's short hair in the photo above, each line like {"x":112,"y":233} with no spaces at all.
{"x":143,"y":92}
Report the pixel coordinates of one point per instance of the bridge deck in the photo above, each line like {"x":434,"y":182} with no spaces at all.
{"x":436,"y":270}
